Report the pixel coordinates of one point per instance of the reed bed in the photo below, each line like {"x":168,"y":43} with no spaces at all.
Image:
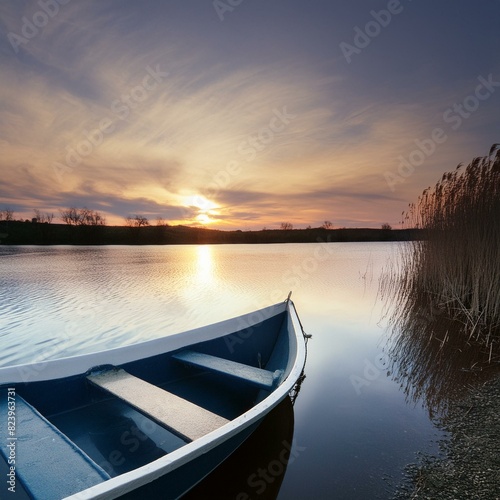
{"x":443,"y":293}
{"x":456,"y":266}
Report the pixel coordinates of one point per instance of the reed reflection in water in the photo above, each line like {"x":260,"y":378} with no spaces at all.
{"x":433,"y":357}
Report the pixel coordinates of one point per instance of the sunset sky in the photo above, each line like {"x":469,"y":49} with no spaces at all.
{"x":240,"y":114}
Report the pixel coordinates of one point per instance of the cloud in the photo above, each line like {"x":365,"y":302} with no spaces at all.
{"x":106,"y":109}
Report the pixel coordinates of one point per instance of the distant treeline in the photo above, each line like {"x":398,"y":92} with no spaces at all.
{"x":32,"y":233}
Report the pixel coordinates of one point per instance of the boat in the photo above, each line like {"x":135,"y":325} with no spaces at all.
{"x":151,"y":419}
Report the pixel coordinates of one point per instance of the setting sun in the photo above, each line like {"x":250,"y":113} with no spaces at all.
{"x":204,"y":219}
{"x":202,"y":209}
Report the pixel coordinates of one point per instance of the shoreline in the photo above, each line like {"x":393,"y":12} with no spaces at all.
{"x":470,"y":466}
{"x":28,"y":233}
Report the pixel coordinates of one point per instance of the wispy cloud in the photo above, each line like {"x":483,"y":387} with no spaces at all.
{"x":84,"y":119}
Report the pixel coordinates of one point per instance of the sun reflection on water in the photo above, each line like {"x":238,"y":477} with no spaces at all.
{"x":204,"y":270}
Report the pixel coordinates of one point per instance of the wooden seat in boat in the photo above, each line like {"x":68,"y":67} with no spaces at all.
{"x":264,"y":379}
{"x":182,"y":417}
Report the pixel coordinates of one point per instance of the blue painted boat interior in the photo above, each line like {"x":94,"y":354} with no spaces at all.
{"x":42,"y":447}
{"x":97,"y":435}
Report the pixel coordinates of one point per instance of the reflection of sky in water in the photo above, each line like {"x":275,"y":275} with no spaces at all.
{"x":64,"y":301}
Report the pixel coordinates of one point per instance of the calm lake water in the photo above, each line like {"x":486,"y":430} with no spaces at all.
{"x":354,"y":432}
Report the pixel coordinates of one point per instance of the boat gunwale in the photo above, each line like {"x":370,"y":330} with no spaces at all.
{"x":141,"y":476}
{"x":82,"y":363}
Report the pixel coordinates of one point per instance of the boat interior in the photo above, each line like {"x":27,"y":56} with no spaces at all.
{"x":112,"y":420}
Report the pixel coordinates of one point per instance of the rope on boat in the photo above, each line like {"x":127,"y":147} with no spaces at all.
{"x":296,"y":388}
{"x":307,"y":336}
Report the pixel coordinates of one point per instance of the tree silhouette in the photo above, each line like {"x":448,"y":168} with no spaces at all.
{"x":160,"y":221}
{"x":137,"y":221}
{"x":82,"y":217}
{"x":7,"y":214}
{"x":43,"y":218}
